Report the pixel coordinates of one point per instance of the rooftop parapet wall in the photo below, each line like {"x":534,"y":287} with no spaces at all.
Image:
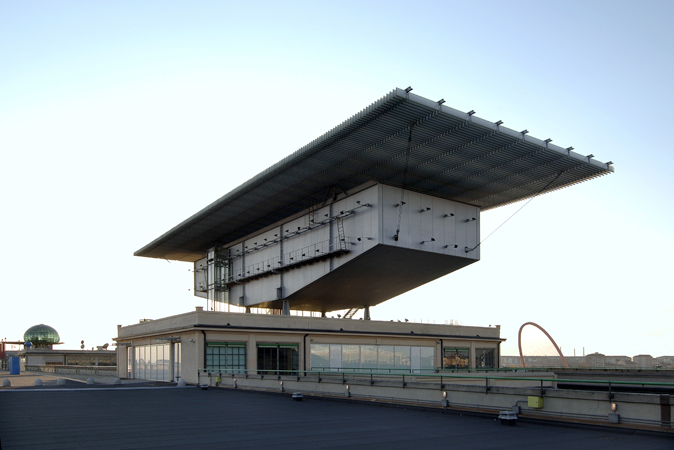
{"x":298,"y":324}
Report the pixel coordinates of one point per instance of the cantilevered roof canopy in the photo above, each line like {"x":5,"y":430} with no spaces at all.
{"x":453,"y":155}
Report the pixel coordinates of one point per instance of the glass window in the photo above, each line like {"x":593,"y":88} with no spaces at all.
{"x":153,"y":362}
{"x":335,"y":356}
{"x":456,"y":358}
{"x":159,"y":362}
{"x":416,"y":359}
{"x":368,"y":358}
{"x":223,"y":357}
{"x":278,"y":359}
{"x":288,"y":359}
{"x":177,"y":350}
{"x":129,"y":362}
{"x":427,"y":359}
{"x":267,"y":360}
{"x":320,"y":356}
{"x":402,"y":358}
{"x":385,"y":359}
{"x":351,"y":357}
{"x":140,"y":362}
{"x":484,"y":358}
{"x":373,"y":358}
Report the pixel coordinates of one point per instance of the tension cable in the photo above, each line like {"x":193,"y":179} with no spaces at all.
{"x":468,"y":250}
{"x":402,"y":191}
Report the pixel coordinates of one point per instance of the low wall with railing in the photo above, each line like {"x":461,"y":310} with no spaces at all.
{"x":531,"y":395}
{"x":87,"y":370}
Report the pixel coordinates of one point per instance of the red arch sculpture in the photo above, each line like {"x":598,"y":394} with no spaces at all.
{"x":519,"y":343}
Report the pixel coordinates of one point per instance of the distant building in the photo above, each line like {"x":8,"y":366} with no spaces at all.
{"x":617,"y":361}
{"x":41,"y":337}
{"x":665,"y":362}
{"x":592,"y":361}
{"x":595,"y":360}
{"x":542,"y":361}
{"x":38,"y":351}
{"x":644,"y":361}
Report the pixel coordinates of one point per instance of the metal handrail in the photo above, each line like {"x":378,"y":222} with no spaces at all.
{"x":608,"y":383}
{"x":370,"y":370}
{"x":550,"y":368}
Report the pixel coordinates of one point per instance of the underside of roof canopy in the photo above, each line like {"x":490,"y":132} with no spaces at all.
{"x":452,"y":155}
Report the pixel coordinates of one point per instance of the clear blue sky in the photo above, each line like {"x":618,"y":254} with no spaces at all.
{"x":118,"y":120}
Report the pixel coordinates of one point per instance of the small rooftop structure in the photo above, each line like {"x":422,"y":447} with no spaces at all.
{"x":41,"y":336}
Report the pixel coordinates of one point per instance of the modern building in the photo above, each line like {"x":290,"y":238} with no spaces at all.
{"x":218,"y":342}
{"x":385,"y":202}
{"x":644,"y":361}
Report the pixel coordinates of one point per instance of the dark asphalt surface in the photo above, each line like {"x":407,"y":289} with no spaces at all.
{"x":173,"y":418}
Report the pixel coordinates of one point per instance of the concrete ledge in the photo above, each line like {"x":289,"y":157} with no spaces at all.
{"x":637,"y":410}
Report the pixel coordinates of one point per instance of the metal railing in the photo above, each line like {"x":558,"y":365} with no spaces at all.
{"x":430,"y":378}
{"x":372,"y":370}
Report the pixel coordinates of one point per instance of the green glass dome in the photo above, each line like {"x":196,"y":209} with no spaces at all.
{"x":41,"y":335}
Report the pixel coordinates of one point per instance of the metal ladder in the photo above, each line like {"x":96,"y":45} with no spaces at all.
{"x":340,"y":234}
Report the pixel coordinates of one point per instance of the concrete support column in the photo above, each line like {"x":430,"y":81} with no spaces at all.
{"x":367,"y":313}
{"x":285,"y":311}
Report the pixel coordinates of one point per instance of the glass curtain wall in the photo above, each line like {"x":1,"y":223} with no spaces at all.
{"x":153,"y":362}
{"x":373,"y":358}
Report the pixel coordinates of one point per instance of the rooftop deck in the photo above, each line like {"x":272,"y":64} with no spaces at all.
{"x":172,"y":418}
